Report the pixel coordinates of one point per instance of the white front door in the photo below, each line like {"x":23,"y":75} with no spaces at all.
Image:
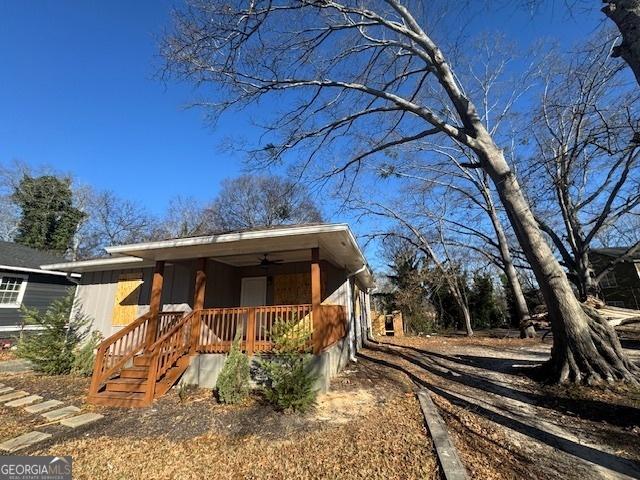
{"x":253,"y":292}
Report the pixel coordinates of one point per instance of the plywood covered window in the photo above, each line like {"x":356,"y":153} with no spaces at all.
{"x":125,"y":308}
{"x":294,"y":288}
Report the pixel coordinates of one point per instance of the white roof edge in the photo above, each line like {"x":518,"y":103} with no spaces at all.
{"x":230,"y":237}
{"x":122,"y":253}
{"x":98,"y":262}
{"x":45,"y":271}
{"x":353,"y":240}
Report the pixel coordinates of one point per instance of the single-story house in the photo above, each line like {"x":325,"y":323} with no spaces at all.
{"x":172,"y":308}
{"x":24,"y":283}
{"x":621,"y":286}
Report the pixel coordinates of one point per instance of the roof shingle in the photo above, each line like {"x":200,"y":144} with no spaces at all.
{"x":15,"y":255}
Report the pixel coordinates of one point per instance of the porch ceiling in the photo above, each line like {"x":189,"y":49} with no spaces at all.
{"x":335,"y":241}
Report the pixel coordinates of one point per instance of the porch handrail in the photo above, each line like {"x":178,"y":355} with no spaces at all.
{"x":166,"y":320}
{"x":121,"y":346}
{"x":169,"y":348}
{"x":115,"y":351}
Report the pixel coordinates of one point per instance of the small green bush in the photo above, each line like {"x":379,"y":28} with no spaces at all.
{"x":233,"y":382}
{"x":53,"y":349}
{"x":289,"y":382}
{"x":85,"y":356}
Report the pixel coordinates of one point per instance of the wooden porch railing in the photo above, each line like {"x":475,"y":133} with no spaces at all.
{"x":168,"y":349}
{"x":115,"y":351}
{"x":166,"y":320}
{"x":208,"y":331}
{"x":218,"y":326}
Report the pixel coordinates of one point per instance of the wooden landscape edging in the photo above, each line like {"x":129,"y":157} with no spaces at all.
{"x":448,"y":458}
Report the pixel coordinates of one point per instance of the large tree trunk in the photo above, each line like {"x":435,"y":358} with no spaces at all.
{"x":522,"y":311}
{"x":585,"y":348}
{"x":585,"y":276}
{"x":466,"y":315}
{"x":626,"y":15}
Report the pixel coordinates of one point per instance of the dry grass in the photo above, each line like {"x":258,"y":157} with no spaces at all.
{"x":478,"y":369}
{"x":391,"y":443}
{"x":370,"y":427}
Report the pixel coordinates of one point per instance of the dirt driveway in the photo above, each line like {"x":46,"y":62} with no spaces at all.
{"x":508,"y":426}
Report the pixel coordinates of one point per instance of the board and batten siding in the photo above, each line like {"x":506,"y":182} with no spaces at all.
{"x":97,"y":292}
{"x":41,"y":290}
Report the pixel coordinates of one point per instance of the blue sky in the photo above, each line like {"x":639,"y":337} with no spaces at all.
{"x":78,"y":92}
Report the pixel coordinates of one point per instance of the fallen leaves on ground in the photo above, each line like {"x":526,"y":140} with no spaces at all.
{"x":390,"y":443}
{"x":376,"y":433}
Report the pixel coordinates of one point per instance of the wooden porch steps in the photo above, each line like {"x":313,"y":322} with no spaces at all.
{"x":129,"y":388}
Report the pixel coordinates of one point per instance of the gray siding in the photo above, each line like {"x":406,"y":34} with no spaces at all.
{"x":40,"y":292}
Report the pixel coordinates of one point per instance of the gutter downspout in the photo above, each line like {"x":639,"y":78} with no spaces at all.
{"x":351,"y":313}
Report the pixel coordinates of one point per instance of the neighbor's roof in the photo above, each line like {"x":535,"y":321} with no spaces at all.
{"x":289,"y":243}
{"x":14,"y":256}
{"x":616,"y":252}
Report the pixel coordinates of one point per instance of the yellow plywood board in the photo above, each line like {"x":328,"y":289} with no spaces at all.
{"x":292,"y":289}
{"x":125,"y":308}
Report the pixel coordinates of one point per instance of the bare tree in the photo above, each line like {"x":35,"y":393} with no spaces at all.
{"x":432,"y":245}
{"x":587,"y":166}
{"x":111,"y":220}
{"x":471,"y":187}
{"x":371,"y":67}
{"x":261,"y":201}
{"x":185,"y":217}
{"x":450,"y":176}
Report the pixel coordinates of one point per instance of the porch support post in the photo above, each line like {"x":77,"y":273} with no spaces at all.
{"x":316,"y":300}
{"x":198,"y":300}
{"x":155,"y":302}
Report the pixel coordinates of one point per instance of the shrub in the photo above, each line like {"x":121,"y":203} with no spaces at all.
{"x":85,"y":356}
{"x":289,"y":384}
{"x":233,"y":382}
{"x":52,"y":350}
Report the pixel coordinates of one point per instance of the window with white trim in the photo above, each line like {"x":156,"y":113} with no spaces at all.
{"x":12,"y":288}
{"x":609,"y":280}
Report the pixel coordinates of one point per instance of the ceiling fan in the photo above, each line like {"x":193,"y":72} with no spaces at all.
{"x":265,"y":262}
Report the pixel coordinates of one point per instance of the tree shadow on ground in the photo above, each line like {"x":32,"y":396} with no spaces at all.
{"x":613,"y":462}
{"x":500,"y":365}
{"x":595,"y":410}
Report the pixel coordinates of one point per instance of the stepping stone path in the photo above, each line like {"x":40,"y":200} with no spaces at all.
{"x":41,"y":407}
{"x":60,"y":413}
{"x":75,"y":422}
{"x":20,"y":398}
{"x":23,"y":441}
{"x":21,"y":402}
{"x":13,"y":396}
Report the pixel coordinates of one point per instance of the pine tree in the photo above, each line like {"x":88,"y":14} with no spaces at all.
{"x":290,"y":383}
{"x":233,"y":383}
{"x":53,"y":349}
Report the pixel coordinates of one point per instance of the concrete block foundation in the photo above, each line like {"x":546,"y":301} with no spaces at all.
{"x":205,"y":368}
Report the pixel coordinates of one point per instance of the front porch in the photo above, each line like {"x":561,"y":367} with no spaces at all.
{"x":145,"y":358}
